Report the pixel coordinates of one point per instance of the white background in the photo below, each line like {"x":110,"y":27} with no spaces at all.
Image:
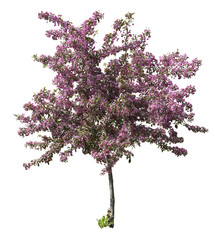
{"x":158,"y":195}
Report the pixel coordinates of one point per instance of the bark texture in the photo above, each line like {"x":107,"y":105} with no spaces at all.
{"x":112,"y":199}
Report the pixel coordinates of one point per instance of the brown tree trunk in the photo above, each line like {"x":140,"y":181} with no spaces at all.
{"x":112,"y":199}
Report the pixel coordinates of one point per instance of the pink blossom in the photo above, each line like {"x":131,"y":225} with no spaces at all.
{"x":97,"y":110}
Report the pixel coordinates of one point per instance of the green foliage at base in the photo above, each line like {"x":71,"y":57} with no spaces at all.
{"x":105,"y":221}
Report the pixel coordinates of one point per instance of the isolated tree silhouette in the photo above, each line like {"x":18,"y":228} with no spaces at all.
{"x":104,"y":112}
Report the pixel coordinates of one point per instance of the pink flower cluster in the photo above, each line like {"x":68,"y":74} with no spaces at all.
{"x":104,"y":112}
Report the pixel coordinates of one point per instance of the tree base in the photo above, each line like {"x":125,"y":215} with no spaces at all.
{"x":111,"y":225}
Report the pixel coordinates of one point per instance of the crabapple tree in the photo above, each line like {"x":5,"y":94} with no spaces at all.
{"x":104,"y":111}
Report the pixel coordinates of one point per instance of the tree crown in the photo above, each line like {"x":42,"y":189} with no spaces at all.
{"x":104,"y":112}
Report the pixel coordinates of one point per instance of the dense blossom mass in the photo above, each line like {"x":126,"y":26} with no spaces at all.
{"x":105,"y":111}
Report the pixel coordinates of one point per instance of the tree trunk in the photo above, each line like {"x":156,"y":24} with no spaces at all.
{"x":112,"y":199}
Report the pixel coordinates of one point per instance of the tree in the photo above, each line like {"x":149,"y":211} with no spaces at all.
{"x":103,"y":112}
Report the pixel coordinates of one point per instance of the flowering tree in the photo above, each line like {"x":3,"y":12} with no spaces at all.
{"x":106,"y":111}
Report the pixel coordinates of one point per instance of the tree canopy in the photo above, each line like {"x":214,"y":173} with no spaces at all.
{"x":106,"y":111}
